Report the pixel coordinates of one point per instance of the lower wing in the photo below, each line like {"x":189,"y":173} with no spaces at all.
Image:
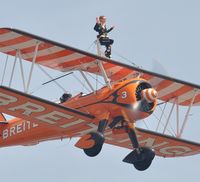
{"x":31,"y":108}
{"x":163,"y":145}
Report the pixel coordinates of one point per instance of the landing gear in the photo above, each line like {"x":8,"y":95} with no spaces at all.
{"x":140,"y":157}
{"x":98,"y":139}
{"x":96,"y":149}
{"x":92,"y":143}
{"x":145,"y":160}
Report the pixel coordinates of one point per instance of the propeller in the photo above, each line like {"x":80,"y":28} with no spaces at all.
{"x":145,"y":95}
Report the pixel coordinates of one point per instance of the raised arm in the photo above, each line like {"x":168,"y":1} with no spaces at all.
{"x":97,"y":26}
{"x":110,"y":29}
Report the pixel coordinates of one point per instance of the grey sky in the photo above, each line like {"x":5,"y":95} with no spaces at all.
{"x":166,"y":30}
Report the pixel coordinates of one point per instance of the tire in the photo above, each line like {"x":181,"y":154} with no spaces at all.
{"x":96,"y":149}
{"x":147,"y":156}
{"x":142,"y":165}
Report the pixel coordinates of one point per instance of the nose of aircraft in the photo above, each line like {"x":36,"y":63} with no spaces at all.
{"x":149,"y":94}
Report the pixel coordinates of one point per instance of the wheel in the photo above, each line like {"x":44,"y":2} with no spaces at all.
{"x":142,"y":165}
{"x":145,"y":159}
{"x":96,"y":149}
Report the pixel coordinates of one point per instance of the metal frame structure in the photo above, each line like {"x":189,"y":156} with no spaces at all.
{"x":180,"y":126}
{"x":18,"y":56}
{"x":32,"y":66}
{"x":99,"y":63}
{"x":87,"y":81}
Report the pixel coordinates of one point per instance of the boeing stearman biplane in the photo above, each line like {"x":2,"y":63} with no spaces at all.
{"x":107,"y":115}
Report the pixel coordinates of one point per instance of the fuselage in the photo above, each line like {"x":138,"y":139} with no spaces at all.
{"x":114,"y":102}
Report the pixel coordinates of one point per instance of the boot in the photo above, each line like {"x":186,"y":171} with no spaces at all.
{"x":108,"y":52}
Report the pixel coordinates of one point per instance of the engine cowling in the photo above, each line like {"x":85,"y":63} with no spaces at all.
{"x":146,"y":97}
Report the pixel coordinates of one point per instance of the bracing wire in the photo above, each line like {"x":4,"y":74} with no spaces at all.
{"x":125,"y":58}
{"x":80,"y":82}
{"x":171,"y":132}
{"x":95,"y":79}
{"x":166,"y":116}
{"x":145,"y":124}
{"x":91,"y":45}
{"x":46,"y":73}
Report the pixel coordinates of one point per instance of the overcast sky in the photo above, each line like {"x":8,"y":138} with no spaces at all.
{"x":166,"y":31}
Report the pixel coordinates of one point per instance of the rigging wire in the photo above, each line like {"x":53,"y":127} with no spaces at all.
{"x":80,"y":82}
{"x":162,"y":113}
{"x":91,"y":45}
{"x":45,"y":72}
{"x":171,"y":132}
{"x":125,"y":58}
{"x":36,"y":89}
{"x":166,"y":117}
{"x":145,"y":123}
{"x":95,"y":79}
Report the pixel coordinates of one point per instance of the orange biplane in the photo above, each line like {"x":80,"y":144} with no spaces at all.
{"x":105,"y":115}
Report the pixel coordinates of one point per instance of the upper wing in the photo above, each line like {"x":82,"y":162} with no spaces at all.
{"x":46,"y":113}
{"x":64,"y":58}
{"x":163,"y":145}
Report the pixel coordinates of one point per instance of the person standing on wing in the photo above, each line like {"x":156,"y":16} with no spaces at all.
{"x":104,"y":40}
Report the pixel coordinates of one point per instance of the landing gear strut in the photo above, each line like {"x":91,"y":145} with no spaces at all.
{"x":98,"y":139}
{"x":140,"y":157}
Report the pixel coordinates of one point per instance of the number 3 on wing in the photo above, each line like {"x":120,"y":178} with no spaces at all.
{"x":124,"y":94}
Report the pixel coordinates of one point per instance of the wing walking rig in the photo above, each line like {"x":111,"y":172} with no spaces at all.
{"x":131,"y":94}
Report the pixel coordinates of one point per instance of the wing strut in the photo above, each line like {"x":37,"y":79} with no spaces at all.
{"x":180,"y":125}
{"x":100,"y":65}
{"x":89,"y":84}
{"x":187,"y":113}
{"x":32,"y":66}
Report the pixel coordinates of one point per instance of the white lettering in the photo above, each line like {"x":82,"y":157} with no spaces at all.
{"x":72,"y":123}
{"x":28,"y":125}
{"x":19,"y":128}
{"x":12,"y":131}
{"x":5,"y":133}
{"x":28,"y":108}
{"x":54,"y":116}
{"x":175,"y":150}
{"x":35,"y":125}
{"x":6,"y":99}
{"x":149,"y":142}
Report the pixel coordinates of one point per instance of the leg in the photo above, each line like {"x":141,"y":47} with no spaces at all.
{"x":108,"y":47}
{"x":105,"y":41}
